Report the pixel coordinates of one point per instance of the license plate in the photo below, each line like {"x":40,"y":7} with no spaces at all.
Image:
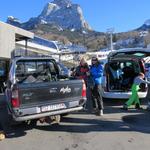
{"x":53,"y":107}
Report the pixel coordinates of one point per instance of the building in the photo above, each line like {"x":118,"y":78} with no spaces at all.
{"x":37,"y":46}
{"x":15,"y":41}
{"x":9,"y":35}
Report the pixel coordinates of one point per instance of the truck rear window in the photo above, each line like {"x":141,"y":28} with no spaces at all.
{"x":35,"y":71}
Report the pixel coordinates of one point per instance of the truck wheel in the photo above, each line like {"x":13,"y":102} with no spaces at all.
{"x":30,"y":123}
{"x":2,"y":135}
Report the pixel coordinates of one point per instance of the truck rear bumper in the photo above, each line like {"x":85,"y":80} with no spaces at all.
{"x":36,"y":116}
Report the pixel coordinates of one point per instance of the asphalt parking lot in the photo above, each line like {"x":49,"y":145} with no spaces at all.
{"x":116,"y":130}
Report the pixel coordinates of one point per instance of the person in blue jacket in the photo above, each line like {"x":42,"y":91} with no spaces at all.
{"x":96,"y":72}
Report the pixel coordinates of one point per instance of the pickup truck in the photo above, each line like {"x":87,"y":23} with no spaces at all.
{"x":36,"y":89}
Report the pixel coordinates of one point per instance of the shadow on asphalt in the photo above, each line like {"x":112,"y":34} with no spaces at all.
{"x":139,"y":122}
{"x":11,"y":132}
{"x":115,"y":107}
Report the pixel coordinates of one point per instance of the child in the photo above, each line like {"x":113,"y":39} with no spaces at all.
{"x":134,"y":99}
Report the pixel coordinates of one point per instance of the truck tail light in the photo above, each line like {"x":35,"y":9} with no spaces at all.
{"x":15,"y":99}
{"x":83,"y":89}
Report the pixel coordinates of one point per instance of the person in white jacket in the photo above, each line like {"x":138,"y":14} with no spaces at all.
{"x":134,"y":98}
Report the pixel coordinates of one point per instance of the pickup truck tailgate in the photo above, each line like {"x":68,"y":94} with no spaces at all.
{"x":53,"y":92}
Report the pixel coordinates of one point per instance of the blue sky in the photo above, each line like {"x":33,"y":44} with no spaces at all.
{"x":123,"y":15}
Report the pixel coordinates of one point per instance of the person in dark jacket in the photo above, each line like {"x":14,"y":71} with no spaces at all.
{"x":96,"y":72}
{"x":81,"y":70}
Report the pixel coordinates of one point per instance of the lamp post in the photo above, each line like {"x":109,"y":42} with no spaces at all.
{"x":110,"y":31}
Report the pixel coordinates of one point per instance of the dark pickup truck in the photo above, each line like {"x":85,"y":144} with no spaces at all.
{"x":36,"y":89}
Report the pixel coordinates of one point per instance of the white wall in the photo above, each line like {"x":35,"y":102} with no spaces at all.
{"x":7,"y":41}
{"x":8,"y":36}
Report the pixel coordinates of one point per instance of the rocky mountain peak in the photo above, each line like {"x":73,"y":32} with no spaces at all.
{"x":62,"y":3}
{"x":62,"y":13}
{"x":48,"y":9}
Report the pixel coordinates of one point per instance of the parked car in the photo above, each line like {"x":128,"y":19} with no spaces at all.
{"x":64,"y":71}
{"x":36,"y":89}
{"x":4,"y":68}
{"x":119,"y":73}
{"x":147,"y":69}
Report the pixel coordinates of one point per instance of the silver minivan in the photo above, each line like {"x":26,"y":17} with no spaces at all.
{"x":120,"y":70}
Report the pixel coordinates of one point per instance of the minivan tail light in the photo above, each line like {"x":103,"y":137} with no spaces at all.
{"x":143,"y":66}
{"x":15,"y":99}
{"x":83,"y":89}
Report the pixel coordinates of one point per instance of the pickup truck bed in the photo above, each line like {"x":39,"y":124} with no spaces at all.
{"x":36,"y":99}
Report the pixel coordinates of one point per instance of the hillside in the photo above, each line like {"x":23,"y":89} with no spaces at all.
{"x":64,"y":21}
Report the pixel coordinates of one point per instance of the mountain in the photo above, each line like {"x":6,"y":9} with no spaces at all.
{"x":60,"y":13}
{"x":145,"y":26}
{"x":14,"y":21}
{"x":64,"y":21}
